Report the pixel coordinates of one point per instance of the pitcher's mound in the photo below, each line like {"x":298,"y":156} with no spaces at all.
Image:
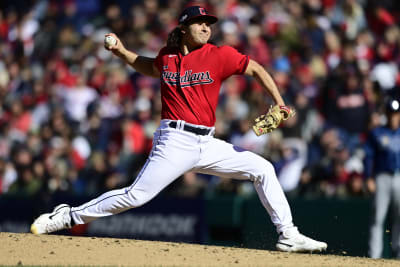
{"x":29,"y":249}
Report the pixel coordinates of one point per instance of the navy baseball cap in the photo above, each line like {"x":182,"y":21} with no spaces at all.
{"x":193,"y":12}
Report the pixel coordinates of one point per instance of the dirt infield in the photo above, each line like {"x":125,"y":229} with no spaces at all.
{"x":28,"y":249}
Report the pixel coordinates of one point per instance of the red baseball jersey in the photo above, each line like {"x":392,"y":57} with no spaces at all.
{"x":190,"y":83}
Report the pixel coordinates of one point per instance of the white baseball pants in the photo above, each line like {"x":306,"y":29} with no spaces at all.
{"x":175,"y":152}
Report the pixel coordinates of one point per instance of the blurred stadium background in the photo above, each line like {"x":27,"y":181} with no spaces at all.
{"x":76,"y":122}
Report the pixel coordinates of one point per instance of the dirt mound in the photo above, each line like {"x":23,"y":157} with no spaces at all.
{"x":29,"y":249}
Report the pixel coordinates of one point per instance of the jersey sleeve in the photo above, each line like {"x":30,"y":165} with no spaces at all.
{"x":232,"y":62}
{"x":369,"y":148}
{"x":158,"y":61}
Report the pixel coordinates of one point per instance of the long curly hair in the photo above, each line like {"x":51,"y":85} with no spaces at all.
{"x":174,"y":38}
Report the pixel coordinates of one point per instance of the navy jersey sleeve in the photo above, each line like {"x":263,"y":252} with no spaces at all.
{"x":370,"y":151}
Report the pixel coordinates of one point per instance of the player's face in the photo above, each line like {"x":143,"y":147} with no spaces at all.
{"x":198,"y":32}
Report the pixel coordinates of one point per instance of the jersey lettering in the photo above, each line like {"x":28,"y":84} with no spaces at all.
{"x":188,"y":79}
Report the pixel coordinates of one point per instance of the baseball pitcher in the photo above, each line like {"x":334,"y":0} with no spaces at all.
{"x":191,"y":72}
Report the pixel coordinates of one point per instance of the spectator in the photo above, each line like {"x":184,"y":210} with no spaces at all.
{"x":349,"y":15}
{"x":334,"y":61}
{"x":8,"y":175}
{"x":294,"y":155}
{"x":77,"y":99}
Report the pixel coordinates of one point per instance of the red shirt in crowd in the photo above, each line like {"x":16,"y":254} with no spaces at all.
{"x":190,"y":83}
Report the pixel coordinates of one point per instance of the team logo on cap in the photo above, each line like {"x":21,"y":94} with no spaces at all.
{"x":202,"y":11}
{"x":183,"y":17}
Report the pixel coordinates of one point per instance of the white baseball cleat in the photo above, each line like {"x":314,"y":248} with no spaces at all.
{"x":292,"y":241}
{"x":59,"y":219}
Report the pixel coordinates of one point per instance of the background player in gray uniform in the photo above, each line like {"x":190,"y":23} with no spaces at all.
{"x":383,"y":164}
{"x":184,"y":141}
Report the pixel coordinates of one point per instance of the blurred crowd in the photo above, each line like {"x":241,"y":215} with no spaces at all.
{"x":74,"y":118}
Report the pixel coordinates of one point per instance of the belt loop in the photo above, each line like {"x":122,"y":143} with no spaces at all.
{"x":212,"y":131}
{"x":179,"y":125}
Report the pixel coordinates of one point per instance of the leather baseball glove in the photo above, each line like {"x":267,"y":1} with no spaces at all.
{"x":268,"y":122}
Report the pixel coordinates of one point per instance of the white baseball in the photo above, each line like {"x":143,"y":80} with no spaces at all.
{"x":110,"y":41}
